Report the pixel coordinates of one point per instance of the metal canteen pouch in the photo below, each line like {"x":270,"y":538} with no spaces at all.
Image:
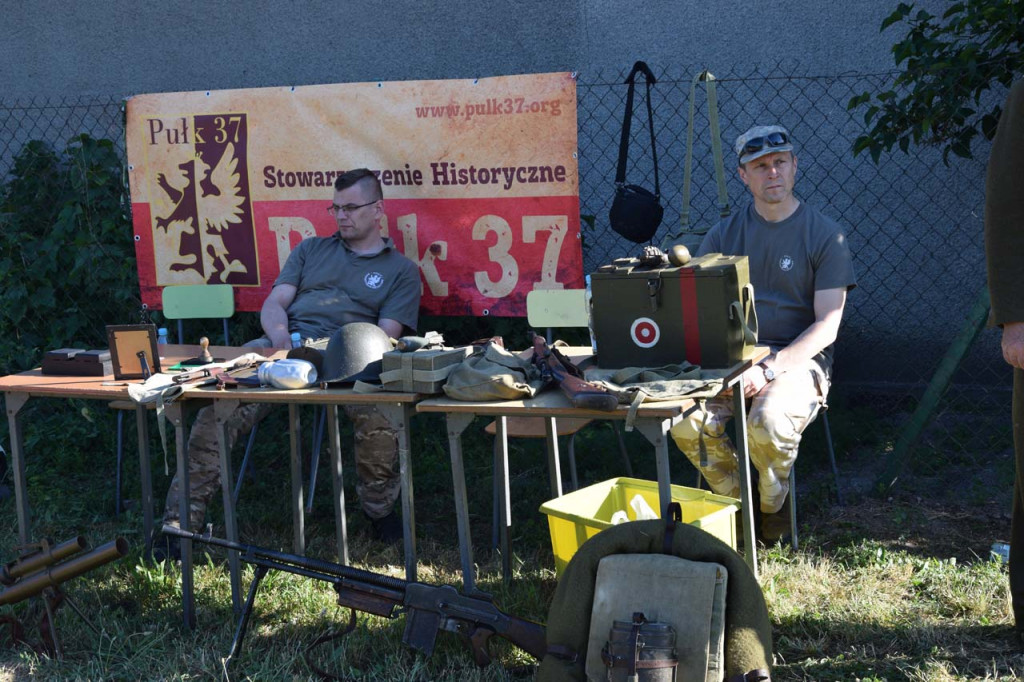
{"x":640,"y":650}
{"x":289,"y":373}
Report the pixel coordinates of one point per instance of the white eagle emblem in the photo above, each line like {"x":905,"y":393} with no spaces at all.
{"x":373,"y":280}
{"x":786,"y":263}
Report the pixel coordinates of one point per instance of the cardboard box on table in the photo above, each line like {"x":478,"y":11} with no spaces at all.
{"x":421,"y":371}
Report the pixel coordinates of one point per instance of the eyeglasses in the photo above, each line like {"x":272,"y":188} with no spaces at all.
{"x":756,"y":144}
{"x":347,"y":209}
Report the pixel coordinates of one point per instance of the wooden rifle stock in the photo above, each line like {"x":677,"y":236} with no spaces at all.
{"x":581,"y":393}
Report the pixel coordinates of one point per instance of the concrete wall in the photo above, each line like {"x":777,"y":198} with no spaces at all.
{"x":121,"y":47}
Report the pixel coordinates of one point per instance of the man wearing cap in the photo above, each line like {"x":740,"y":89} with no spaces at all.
{"x":355,"y":275}
{"x":801,"y":269}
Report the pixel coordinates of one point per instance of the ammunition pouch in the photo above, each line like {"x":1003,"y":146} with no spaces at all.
{"x":640,"y":650}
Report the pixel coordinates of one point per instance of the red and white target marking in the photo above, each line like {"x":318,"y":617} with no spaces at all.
{"x":645,"y":332}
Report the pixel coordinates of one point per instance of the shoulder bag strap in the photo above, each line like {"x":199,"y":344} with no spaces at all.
{"x":627,"y":119}
{"x":716,"y":150}
{"x":673,"y":515}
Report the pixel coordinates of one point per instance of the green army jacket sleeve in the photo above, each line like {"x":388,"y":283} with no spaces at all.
{"x":1004,"y":212}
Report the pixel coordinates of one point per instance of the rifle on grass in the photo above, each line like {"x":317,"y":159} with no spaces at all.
{"x":553,"y":365}
{"x":428,"y":608}
{"x":40,"y":569}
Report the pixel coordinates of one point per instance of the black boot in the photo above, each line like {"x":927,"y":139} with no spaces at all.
{"x":775,"y":528}
{"x":165,"y":547}
{"x":387,"y":528}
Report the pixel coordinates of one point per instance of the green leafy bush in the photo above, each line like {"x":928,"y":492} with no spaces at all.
{"x":947,"y":65}
{"x":67,"y":258}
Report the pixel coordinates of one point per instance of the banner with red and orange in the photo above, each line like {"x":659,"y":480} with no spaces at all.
{"x":480,"y":183}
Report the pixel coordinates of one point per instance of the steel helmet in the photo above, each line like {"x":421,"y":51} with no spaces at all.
{"x":354,"y":353}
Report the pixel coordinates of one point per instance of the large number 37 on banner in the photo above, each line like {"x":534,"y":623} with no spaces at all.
{"x":479,"y":176}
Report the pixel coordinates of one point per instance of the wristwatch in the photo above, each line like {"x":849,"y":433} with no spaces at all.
{"x":769,"y":373}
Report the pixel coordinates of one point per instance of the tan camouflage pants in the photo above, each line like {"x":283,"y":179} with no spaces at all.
{"x":776,"y":418}
{"x":376,"y":453}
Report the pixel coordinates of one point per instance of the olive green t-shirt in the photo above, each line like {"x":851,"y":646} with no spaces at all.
{"x":336,"y":285}
{"x":789,"y":261}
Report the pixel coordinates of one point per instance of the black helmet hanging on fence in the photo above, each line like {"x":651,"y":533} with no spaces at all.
{"x":354,"y":353}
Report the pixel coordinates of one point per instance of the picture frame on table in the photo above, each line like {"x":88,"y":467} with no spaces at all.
{"x":133,"y":350}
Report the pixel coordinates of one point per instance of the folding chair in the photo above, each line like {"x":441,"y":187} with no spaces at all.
{"x":199,"y":301}
{"x":792,"y":478}
{"x":208,"y":301}
{"x":548,"y":309}
{"x":823,"y":414}
{"x":186,"y":301}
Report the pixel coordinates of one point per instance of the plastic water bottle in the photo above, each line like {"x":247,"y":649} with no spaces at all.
{"x":161,"y":336}
{"x":590,"y":315}
{"x":296,"y":340}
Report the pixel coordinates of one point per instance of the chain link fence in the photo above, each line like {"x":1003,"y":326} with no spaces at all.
{"x":914,"y":225}
{"x":56,"y":120}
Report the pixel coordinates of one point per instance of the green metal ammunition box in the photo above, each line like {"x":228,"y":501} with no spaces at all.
{"x":702,"y":312}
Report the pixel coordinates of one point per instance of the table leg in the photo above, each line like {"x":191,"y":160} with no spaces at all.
{"x":338,"y":482}
{"x":504,"y":494}
{"x":746,"y":497}
{"x":222,"y":411}
{"x":398,"y":416}
{"x":457,"y":423}
{"x":176,"y":413}
{"x":14,"y":403}
{"x":145,"y":476}
{"x":554,"y":460}
{"x":298,"y":510}
{"x":656,"y":432}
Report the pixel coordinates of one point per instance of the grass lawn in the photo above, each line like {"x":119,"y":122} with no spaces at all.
{"x":895,"y":588}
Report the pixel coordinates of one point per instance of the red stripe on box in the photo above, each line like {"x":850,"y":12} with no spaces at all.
{"x":691,"y":324}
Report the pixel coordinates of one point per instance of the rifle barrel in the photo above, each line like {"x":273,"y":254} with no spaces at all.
{"x":318,"y":565}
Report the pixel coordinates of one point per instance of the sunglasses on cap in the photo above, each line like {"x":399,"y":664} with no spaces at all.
{"x":756,"y":144}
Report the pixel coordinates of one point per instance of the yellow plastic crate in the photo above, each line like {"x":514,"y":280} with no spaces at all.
{"x":576,"y":517}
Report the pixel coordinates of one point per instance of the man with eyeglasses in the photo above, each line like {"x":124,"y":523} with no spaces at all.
{"x":801,"y":269}
{"x":354,"y":275}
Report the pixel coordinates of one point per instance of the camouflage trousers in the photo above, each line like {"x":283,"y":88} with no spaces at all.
{"x":376,"y":454}
{"x":776,"y":418}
